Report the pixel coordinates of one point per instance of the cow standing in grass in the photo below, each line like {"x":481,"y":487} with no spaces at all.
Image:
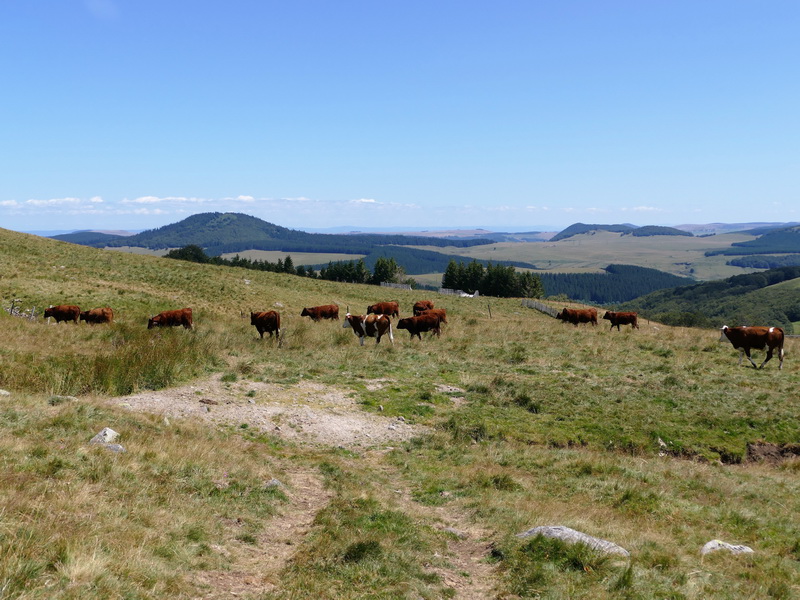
{"x":390,"y":309}
{"x":63,"y":312}
{"x":326,"y":311}
{"x":578,"y":315}
{"x":421,"y":305}
{"x":622,"y":318}
{"x":369,"y":326}
{"x":422,"y":323}
{"x":266,"y":322}
{"x":172,"y":318}
{"x":745,"y":339}
{"x":97,"y":315}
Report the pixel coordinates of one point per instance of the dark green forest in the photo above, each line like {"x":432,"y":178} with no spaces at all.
{"x":776,"y":241}
{"x":618,"y":284}
{"x":765,"y":261}
{"x":738,"y":300}
{"x":649,"y":230}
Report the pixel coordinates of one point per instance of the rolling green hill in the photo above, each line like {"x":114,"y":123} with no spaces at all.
{"x":765,"y":298}
{"x":648,"y":438}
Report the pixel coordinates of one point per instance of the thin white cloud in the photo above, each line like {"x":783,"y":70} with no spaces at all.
{"x":9,"y":203}
{"x":364,"y":201}
{"x":647,"y":209}
{"x":53,"y":201}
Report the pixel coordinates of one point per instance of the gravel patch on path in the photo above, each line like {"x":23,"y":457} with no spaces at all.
{"x":307,"y":412}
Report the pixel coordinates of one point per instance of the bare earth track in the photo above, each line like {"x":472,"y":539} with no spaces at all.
{"x":320,"y":415}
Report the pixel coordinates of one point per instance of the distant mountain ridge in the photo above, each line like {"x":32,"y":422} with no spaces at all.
{"x":623,"y":228}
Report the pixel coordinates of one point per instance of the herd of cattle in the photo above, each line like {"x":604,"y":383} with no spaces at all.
{"x":377,"y":323}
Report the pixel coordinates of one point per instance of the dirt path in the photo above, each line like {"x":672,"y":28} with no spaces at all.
{"x":313,"y":413}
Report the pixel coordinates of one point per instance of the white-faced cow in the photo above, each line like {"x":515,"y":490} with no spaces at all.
{"x":369,"y":326}
{"x":266,"y":322}
{"x":745,"y":339}
{"x":622,"y":318}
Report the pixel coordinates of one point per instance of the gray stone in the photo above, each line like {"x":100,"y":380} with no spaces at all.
{"x":273,"y":483}
{"x":5,"y":393}
{"x":462,"y":535}
{"x":715,"y":545}
{"x":571,"y":536}
{"x":106,"y":436}
{"x":114,"y":447}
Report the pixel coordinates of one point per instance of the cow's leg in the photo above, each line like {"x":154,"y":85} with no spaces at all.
{"x":766,"y":360}
{"x":361,"y":339}
{"x":391,"y":337}
{"x":750,"y":358}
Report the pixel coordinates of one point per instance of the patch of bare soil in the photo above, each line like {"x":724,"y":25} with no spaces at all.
{"x":464,"y":567}
{"x":256,"y":566}
{"x":314,"y":413}
{"x":306,"y":412}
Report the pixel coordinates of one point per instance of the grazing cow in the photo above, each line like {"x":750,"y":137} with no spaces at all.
{"x":172,"y":318}
{"x":421,"y":305}
{"x":327,"y":311}
{"x":97,"y":315}
{"x":745,"y":339}
{"x":369,"y":326}
{"x":63,"y":312}
{"x":269,"y":322}
{"x":439,"y":312}
{"x":416,"y":325}
{"x":578,"y":315}
{"x":391,"y":309}
{"x":622,"y":318}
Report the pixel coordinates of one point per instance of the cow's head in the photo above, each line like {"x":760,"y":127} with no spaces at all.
{"x":253,"y":317}
{"x":153,"y":322}
{"x":305,"y":313}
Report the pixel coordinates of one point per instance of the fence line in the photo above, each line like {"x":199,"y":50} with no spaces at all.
{"x":540,"y":306}
{"x":462,"y":293}
{"x":399,"y":286}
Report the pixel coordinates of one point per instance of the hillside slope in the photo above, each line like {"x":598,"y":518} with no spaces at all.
{"x":754,"y":299}
{"x":520,"y":421}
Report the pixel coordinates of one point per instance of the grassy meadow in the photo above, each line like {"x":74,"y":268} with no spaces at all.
{"x":640,"y":437}
{"x":591,"y":252}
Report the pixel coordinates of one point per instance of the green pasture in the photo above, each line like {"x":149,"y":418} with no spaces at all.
{"x":590,"y":253}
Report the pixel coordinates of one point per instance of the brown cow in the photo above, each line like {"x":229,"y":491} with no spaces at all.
{"x":369,"y":326}
{"x":269,"y":322}
{"x":63,"y":312}
{"x":391,"y":309}
{"x":758,"y":338}
{"x":172,"y":318}
{"x":416,"y":325}
{"x":421,"y":305}
{"x":439,"y":312}
{"x":578,"y":315}
{"x":97,"y":315}
{"x":622,"y":318}
{"x":327,"y":311}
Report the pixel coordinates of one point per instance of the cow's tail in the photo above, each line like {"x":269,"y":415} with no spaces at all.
{"x":391,"y":337}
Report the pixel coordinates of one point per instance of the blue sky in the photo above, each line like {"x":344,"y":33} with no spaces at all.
{"x":131,"y":114}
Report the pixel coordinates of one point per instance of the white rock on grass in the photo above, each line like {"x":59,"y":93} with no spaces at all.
{"x":5,"y":393}
{"x":715,"y":545}
{"x":570,"y":536}
{"x":106,"y":436}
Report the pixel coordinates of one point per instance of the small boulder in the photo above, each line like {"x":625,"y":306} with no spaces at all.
{"x":5,"y":393}
{"x":715,"y":545}
{"x":106,"y":436}
{"x":570,"y":536}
